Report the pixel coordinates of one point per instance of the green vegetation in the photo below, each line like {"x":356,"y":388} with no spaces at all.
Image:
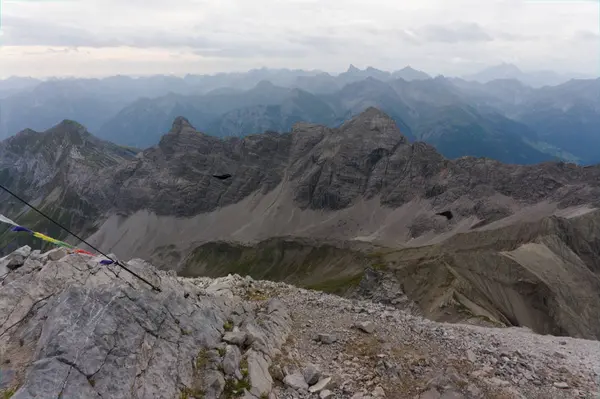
{"x":337,"y":286}
{"x":235,"y":388}
{"x":321,"y":267}
{"x":201,"y":359}
{"x":228,"y":326}
{"x":244,"y":366}
{"x":8,"y":393}
{"x":256,"y":295}
{"x":187,"y":393}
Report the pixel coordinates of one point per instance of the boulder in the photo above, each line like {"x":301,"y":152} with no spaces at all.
{"x":365,"y":326}
{"x":295,"y":381}
{"x":320,"y":385}
{"x":311,"y":374}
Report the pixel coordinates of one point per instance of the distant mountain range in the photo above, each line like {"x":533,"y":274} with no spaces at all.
{"x":503,"y":119}
{"x":532,"y":78}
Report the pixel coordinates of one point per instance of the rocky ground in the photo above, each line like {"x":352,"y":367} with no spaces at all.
{"x":342,"y":348}
{"x":72,"y":328}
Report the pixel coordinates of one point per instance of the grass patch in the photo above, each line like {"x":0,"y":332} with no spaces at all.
{"x":244,"y":367}
{"x":235,"y":389}
{"x":221,"y":351}
{"x":256,"y":295}
{"x":379,"y":266}
{"x":337,"y":286}
{"x":228,"y":325}
{"x":201,"y":359}
{"x":8,"y":393}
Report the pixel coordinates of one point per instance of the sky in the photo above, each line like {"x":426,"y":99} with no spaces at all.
{"x":42,"y":38}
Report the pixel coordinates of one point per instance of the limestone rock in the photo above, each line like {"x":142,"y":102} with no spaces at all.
{"x":327,"y":338}
{"x":55,"y":254}
{"x":87,"y":330}
{"x":258,"y":371}
{"x":471,"y":356}
{"x":325,"y":394}
{"x":16,"y":259}
{"x":378,"y":392}
{"x":295,"y":381}
{"x":235,"y":338}
{"x":320,"y":385}
{"x":430,"y":394}
{"x":561,"y":385}
{"x":231,"y":360}
{"x":311,"y":374}
{"x":366,"y":326}
{"x":215,"y":383}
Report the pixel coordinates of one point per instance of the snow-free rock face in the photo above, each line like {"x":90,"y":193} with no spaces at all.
{"x":313,"y":167}
{"x":73,"y":328}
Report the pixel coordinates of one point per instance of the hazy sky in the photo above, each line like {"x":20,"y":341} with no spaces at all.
{"x":104,"y":37}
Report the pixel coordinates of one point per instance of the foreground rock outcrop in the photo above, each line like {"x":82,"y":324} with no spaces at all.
{"x":70,"y":328}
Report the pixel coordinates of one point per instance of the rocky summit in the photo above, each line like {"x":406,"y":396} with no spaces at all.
{"x":71,"y":328}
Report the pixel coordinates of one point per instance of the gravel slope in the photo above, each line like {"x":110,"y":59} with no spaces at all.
{"x":405,"y":356}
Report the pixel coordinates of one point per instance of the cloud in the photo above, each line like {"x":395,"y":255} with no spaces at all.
{"x":328,"y":35}
{"x":30,"y":32}
{"x":586,"y":35}
{"x":463,"y":32}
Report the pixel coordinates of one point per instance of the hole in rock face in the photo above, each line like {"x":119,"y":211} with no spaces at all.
{"x":447,"y":214}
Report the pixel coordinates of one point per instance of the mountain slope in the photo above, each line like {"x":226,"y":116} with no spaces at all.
{"x":221,"y":113}
{"x":361,"y":182}
{"x":503,"y":120}
{"x":52,"y":170}
{"x":408,"y":73}
{"x":299,"y":106}
{"x":51,"y":102}
{"x":565,"y":118}
{"x":568,"y":117}
{"x":543,"y":274}
{"x":365,"y":171}
{"x":509,"y":71}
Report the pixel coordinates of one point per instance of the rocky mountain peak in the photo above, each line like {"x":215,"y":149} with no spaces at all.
{"x":65,"y":134}
{"x":62,"y":160}
{"x":374,"y":120}
{"x":67,"y":125}
{"x":181,"y":124}
{"x":352,"y":69}
{"x":264,"y":85}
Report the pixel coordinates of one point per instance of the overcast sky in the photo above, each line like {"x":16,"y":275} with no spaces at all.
{"x":105,"y":37}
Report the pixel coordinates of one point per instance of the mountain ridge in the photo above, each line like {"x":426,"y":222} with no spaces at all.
{"x":361,"y":182}
{"x":499,"y":112}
